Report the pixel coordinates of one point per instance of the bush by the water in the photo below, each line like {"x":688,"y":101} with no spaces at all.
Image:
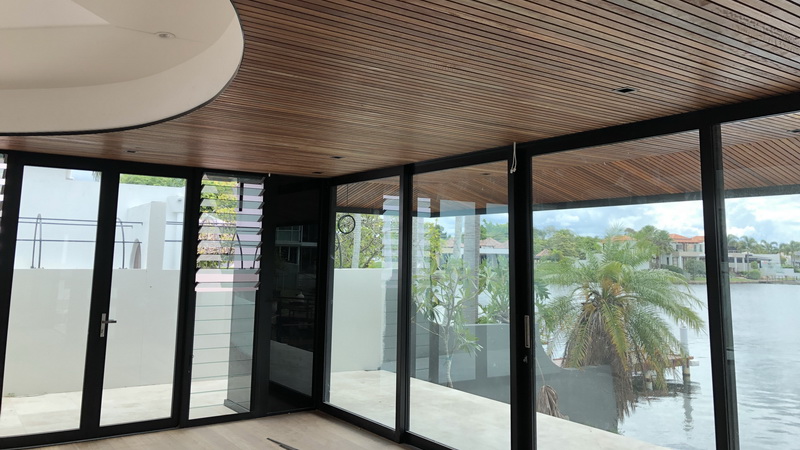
{"x":754,"y":274}
{"x":675,"y":269}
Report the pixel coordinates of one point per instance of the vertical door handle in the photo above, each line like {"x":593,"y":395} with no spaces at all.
{"x":527,"y":331}
{"x":103,"y":322}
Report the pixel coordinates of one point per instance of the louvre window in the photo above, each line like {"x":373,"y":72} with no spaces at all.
{"x":228,"y":267}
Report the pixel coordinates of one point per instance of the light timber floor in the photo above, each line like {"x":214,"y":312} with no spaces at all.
{"x":303,"y":431}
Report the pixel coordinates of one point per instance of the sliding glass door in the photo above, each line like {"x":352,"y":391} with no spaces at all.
{"x":460,"y":382}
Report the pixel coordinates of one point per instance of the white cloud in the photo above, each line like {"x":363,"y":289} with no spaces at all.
{"x":565,"y":219}
{"x":773,"y":218}
{"x":746,"y":231}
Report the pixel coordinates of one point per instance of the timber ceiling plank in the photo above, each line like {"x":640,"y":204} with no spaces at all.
{"x":332,"y":87}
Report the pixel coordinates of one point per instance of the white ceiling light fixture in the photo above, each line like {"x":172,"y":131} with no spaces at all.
{"x":93,"y":65}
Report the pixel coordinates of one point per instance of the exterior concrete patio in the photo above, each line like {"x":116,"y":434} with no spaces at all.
{"x":462,"y":420}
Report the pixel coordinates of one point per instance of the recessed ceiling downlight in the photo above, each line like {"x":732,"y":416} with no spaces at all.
{"x":104,"y":66}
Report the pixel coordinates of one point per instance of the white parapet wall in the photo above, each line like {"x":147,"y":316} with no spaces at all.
{"x":50,"y":311}
{"x":359,"y":319}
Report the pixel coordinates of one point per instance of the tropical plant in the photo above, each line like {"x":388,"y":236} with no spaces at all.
{"x":126,"y":178}
{"x":442,"y":294}
{"x":496,"y":281}
{"x":769,"y":247}
{"x":753,"y":274}
{"x":695,"y":268}
{"x":498,"y":231}
{"x":733,"y":243}
{"x":794,"y":247}
{"x":368,"y":234}
{"x":444,"y":290}
{"x":789,"y":249}
{"x":617,"y":314}
{"x":748,"y":244}
{"x":218,"y":212}
{"x":658,"y":241}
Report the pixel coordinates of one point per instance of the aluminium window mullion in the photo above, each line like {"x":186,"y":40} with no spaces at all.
{"x":523,"y":415}
{"x":403,"y":390}
{"x":188,"y":298}
{"x":12,"y":193}
{"x":720,"y":328}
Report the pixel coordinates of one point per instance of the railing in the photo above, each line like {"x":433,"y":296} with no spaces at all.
{"x":37,"y":227}
{"x":38,"y":239}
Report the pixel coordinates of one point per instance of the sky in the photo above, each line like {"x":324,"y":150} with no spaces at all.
{"x":771,"y":218}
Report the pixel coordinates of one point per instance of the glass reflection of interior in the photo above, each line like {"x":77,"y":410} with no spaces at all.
{"x":292,"y":305}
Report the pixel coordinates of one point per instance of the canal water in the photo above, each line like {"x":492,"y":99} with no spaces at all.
{"x":766,"y":324}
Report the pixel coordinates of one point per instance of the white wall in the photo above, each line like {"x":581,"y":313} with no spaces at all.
{"x":50,"y":305}
{"x":74,"y":194}
{"x":359,"y":319}
{"x":49,"y":323}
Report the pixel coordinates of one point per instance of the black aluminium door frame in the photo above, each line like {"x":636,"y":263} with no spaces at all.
{"x":94,"y":364}
{"x":519,"y":188}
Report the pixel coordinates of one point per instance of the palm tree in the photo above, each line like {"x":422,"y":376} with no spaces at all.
{"x":769,"y":247}
{"x":659,"y":240}
{"x":618,"y":314}
{"x":794,"y":247}
{"x":748,"y":244}
{"x":733,"y":243}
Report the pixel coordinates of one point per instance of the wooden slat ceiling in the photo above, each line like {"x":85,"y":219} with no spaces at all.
{"x":384,"y":83}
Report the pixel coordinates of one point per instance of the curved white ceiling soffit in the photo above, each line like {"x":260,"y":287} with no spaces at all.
{"x":70,"y":66}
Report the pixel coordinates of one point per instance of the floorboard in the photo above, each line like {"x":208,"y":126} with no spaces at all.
{"x":302,"y":431}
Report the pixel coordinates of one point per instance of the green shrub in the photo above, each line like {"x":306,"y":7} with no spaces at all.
{"x":695,"y":268}
{"x":675,"y":269}
{"x":754,"y":274}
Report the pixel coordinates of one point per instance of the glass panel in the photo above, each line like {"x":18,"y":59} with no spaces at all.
{"x":761,"y":161}
{"x":50,"y":301}
{"x":294,"y":295}
{"x":620,"y":297}
{"x":140,"y":353}
{"x":363,"y":358}
{"x":228,"y":258}
{"x":460,"y":386}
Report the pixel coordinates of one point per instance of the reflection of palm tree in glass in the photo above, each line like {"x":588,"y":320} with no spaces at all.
{"x":616,"y":313}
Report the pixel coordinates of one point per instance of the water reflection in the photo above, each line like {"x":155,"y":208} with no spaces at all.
{"x":688,"y":423}
{"x":766,"y":364}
